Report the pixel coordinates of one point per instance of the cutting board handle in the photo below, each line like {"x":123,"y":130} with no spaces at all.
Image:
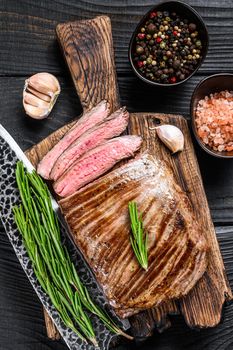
{"x":88,"y":49}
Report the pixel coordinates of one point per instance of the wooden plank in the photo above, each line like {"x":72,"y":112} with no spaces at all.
{"x":24,"y":35}
{"x":30,"y":29}
{"x":35,"y":51}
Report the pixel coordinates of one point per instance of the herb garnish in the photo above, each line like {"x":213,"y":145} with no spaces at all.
{"x":138,"y":238}
{"x":53,"y":268}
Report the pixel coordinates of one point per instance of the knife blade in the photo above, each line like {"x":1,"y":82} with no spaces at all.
{"x":21,"y":156}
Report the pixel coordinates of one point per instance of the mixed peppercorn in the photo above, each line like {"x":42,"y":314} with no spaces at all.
{"x":167,"y":48}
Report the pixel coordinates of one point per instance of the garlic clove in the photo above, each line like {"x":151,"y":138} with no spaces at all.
{"x":171,"y":136}
{"x":47,"y":88}
{"x":39,"y":94}
{"x":36,"y":112}
{"x":35,"y":101}
{"x":40,"y":91}
{"x":44,"y":82}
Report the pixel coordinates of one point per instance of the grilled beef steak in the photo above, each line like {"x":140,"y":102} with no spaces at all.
{"x":98,"y":218}
{"x":112,"y":126}
{"x":95,"y":163}
{"x":87,"y":121}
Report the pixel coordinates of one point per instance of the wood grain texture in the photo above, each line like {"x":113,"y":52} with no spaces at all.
{"x":88,"y":49}
{"x":28,"y":45}
{"x":29,"y":27}
{"x":52,"y":331}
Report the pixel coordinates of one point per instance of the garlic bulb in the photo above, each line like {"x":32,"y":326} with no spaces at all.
{"x":171,"y":136}
{"x":40,"y":94}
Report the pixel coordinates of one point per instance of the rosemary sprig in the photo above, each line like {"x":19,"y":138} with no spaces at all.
{"x":138,"y":238}
{"x":56,"y":273}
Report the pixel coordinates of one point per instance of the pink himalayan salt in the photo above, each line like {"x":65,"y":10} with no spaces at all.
{"x":214,"y":120}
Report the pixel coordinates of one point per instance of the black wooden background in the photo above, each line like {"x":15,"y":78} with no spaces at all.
{"x":28,"y":45}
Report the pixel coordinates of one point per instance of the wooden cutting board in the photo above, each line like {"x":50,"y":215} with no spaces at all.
{"x":88,"y":50}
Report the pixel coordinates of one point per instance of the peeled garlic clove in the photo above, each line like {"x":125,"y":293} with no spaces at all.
{"x":171,"y":136}
{"x":40,"y":94}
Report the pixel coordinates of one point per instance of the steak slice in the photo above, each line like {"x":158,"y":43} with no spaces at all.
{"x":93,"y":117}
{"x":99,"y":221}
{"x":112,"y":126}
{"x":95,"y":163}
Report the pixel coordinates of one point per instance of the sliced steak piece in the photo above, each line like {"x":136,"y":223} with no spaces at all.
{"x":112,"y":126}
{"x":95,"y":163}
{"x":99,"y":221}
{"x":88,"y":120}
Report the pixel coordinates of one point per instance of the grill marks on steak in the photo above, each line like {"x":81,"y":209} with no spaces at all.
{"x":112,"y":126}
{"x":91,"y":118}
{"x":98,"y":218}
{"x":95,"y":163}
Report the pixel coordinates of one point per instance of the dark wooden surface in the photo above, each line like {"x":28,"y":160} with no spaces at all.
{"x":28,"y":45}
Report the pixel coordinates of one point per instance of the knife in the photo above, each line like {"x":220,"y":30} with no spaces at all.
{"x":8,"y":139}
{"x":4,"y":134}
{"x":28,"y":165}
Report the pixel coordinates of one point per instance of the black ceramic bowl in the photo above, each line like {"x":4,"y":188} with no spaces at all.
{"x":185,"y":11}
{"x":212,"y":84}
